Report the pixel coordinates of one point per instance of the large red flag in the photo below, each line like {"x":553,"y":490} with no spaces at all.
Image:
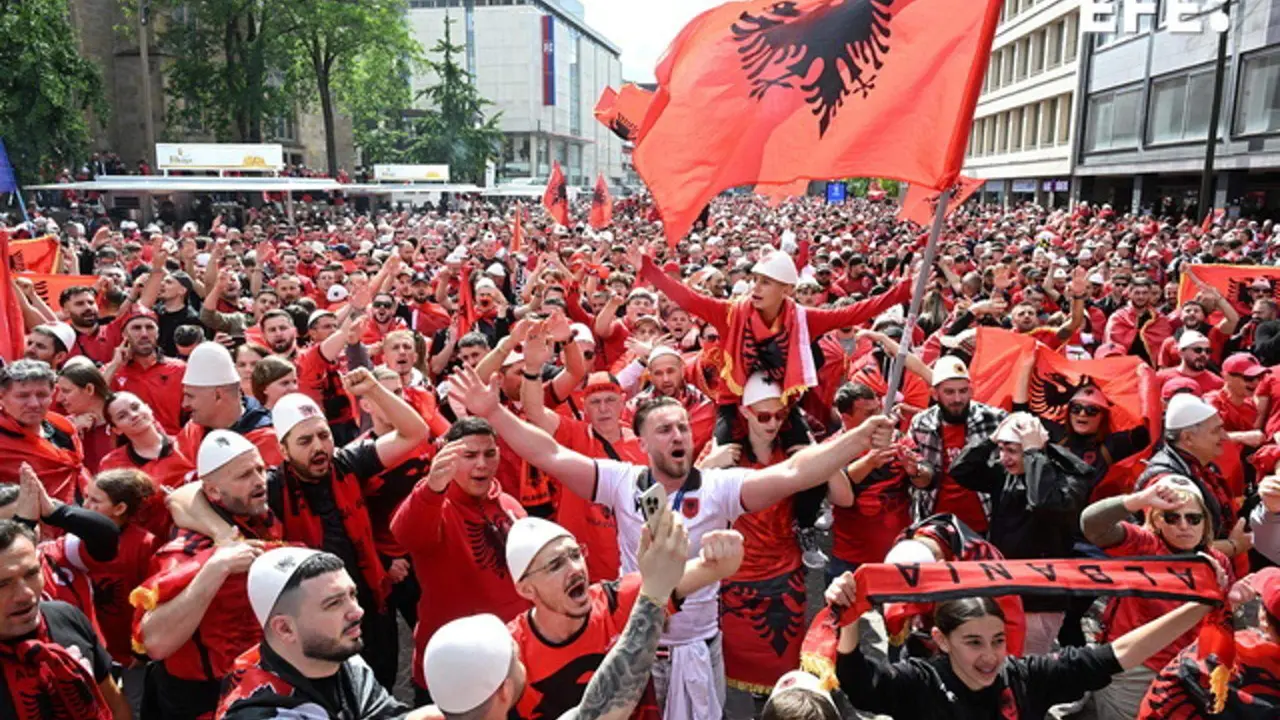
{"x":922,"y":202}
{"x":13,"y":341}
{"x":517,"y":232}
{"x":556,"y":198}
{"x":1127,"y":382}
{"x":601,"y":204}
{"x":763,"y":91}
{"x":38,"y":255}
{"x":1232,"y":281}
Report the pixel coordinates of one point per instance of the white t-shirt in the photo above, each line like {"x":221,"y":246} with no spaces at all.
{"x":713,"y":505}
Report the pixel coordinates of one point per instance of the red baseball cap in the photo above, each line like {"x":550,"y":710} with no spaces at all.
{"x":1177,"y":385}
{"x":1267,"y":583}
{"x":1243,"y":364}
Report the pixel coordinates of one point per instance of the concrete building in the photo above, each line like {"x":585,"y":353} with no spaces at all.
{"x":1022,"y":134}
{"x":1146,"y":116}
{"x":543,"y":68}
{"x":118,"y":58}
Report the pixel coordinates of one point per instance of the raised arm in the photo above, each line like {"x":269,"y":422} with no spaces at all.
{"x":823,"y":321}
{"x":537,"y":349}
{"x":1136,"y":646}
{"x":577,"y":472}
{"x":1101,"y":521}
{"x":408,"y":429}
{"x":492,"y":362}
{"x":1079,"y":290}
{"x":713,"y":310}
{"x":813,"y":465}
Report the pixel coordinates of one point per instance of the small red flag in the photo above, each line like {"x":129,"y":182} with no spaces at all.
{"x":922,"y":202}
{"x":763,"y":91}
{"x":623,"y":112}
{"x":13,"y":341}
{"x":601,"y":204}
{"x":37,"y":255}
{"x":1231,"y":281}
{"x":517,"y":232}
{"x":556,"y":198}
{"x":50,"y":287}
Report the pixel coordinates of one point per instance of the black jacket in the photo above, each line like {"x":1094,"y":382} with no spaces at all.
{"x":352,"y":694}
{"x":1167,"y":461}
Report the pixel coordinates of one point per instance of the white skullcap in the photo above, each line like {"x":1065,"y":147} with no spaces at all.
{"x":1191,"y":338}
{"x":513,"y":357}
{"x":218,"y":448}
{"x":202,"y":259}
{"x":801,"y":680}
{"x":759,"y":388}
{"x":1186,"y":410}
{"x":779,"y":266}
{"x":466,"y":661}
{"x":1097,"y":279}
{"x":317,"y":314}
{"x":1181,"y":484}
{"x":64,"y":332}
{"x":949,"y":367}
{"x":337,"y":293}
{"x":485,"y":284}
{"x":268,"y":575}
{"x":1008,"y":429}
{"x":526,"y":539}
{"x":741,"y":287}
{"x":907,"y":552}
{"x":496,"y":270}
{"x":582,"y":333}
{"x":663,"y":350}
{"x":291,"y":410}
{"x":210,"y":365}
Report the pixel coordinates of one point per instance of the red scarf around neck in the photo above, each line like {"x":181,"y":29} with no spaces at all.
{"x":747,"y":329}
{"x":47,"y":682}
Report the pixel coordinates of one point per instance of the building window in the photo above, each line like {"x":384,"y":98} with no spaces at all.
{"x":1015,"y":130}
{"x":1180,"y":108}
{"x":575,"y":83}
{"x":1037,"y":52}
{"x":1006,"y":59}
{"x":1064,"y":118}
{"x":515,"y":156}
{"x":1054,"y":42}
{"x":1022,"y":58}
{"x":1113,"y":120}
{"x":1259,"y":105}
{"x":1071,"y":34}
{"x":1033,"y":125}
{"x":283,"y":127}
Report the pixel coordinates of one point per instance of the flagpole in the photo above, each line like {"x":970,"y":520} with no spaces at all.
{"x":22,"y":205}
{"x":917,"y":299}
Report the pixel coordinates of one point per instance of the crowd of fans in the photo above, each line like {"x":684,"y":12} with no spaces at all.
{"x":243,"y":455}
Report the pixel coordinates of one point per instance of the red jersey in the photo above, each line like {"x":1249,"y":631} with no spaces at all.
{"x":952,"y":497}
{"x":112,"y":581}
{"x":1235,"y":418}
{"x":170,"y":470}
{"x":321,"y":380}
{"x":1207,"y":381}
{"x":159,"y":386}
{"x":881,"y":510}
{"x":254,"y":425}
{"x":100,"y":344}
{"x":614,"y":346}
{"x":456,"y":536}
{"x":1270,"y":388}
{"x":769,"y":538}
{"x":558,"y":673}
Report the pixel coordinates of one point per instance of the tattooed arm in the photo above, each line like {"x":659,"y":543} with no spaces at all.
{"x":616,"y":687}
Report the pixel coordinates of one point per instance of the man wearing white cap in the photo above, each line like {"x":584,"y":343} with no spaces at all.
{"x":196,"y":613}
{"x":940,"y":433}
{"x":1195,"y":350}
{"x":707,"y":500}
{"x":573,"y":622}
{"x":479,"y":670}
{"x":50,"y":344}
{"x":666,"y":368}
{"x":212,"y":394}
{"x":140,"y":368}
{"x":1193,"y":437}
{"x":1194,"y":316}
{"x":308,"y":658}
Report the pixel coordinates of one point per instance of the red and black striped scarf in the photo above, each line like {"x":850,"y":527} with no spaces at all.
{"x":47,"y":682}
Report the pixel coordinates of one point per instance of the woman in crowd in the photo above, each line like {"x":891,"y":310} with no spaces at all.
{"x":146,"y":448}
{"x":273,"y":378}
{"x":84,"y":393}
{"x":246,"y":357}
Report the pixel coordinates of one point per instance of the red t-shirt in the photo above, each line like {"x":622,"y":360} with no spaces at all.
{"x":112,"y":581}
{"x":1207,"y":381}
{"x":769,"y":537}
{"x":615,"y":346}
{"x":1235,"y":418}
{"x":1127,"y":613}
{"x":1270,"y":388}
{"x":321,"y":380}
{"x":159,"y":386}
{"x":952,"y":497}
{"x":558,"y":674}
{"x":100,"y":345}
{"x":864,"y":532}
{"x":170,"y":470}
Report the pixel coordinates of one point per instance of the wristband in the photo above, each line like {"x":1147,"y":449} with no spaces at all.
{"x":534,"y":377}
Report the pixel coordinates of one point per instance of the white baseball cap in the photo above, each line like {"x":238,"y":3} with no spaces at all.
{"x":779,"y":266}
{"x":210,"y":365}
{"x":582,"y":333}
{"x":525,"y":540}
{"x":907,"y":552}
{"x":801,"y":680}
{"x":513,"y":357}
{"x":337,"y":293}
{"x":291,"y":410}
{"x":759,"y":388}
{"x":496,"y":270}
{"x":1186,"y":410}
{"x":949,"y":367}
{"x":1191,"y":338}
{"x":268,"y":575}
{"x":664,"y":350}
{"x":218,"y":448}
{"x":64,"y":332}
{"x":466,"y":661}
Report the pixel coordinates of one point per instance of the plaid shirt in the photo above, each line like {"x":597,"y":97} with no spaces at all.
{"x":926,"y":432}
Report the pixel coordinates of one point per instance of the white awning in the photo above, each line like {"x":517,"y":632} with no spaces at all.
{"x":160,"y":185}
{"x":409,"y":188}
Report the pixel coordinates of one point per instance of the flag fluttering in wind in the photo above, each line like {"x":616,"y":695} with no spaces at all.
{"x":623,"y":111}
{"x":763,"y":91}
{"x":1233,"y":282}
{"x":13,"y":342}
{"x":921,"y":202}
{"x":601,"y":204}
{"x":517,"y":231}
{"x":37,"y":255}
{"x":556,"y":198}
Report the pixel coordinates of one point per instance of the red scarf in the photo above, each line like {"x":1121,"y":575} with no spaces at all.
{"x":248,"y":678}
{"x":47,"y":682}
{"x":301,"y":525}
{"x":59,"y":469}
{"x":1184,"y":689}
{"x":748,"y":331}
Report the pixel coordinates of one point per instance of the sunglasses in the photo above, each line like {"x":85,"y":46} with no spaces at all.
{"x":710,"y":338}
{"x":1174,"y":518}
{"x":1199,"y":351}
{"x":1085,"y":410}
{"x":766,"y":417}
{"x":382,"y":305}
{"x":588,"y":354}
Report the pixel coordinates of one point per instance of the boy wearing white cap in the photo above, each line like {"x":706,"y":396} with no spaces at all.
{"x":707,"y":500}
{"x":196,"y":613}
{"x":1195,"y":350}
{"x":308,"y":658}
{"x":212,"y":394}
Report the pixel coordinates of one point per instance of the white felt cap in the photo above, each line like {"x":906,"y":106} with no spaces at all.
{"x":758,"y":388}
{"x":268,"y":575}
{"x":466,"y":661}
{"x":512,"y":358}
{"x":663,"y":350}
{"x":291,"y":410}
{"x":582,"y":333}
{"x":496,"y":270}
{"x":337,"y":293}
{"x":800,"y":680}
{"x":947,"y":368}
{"x":1191,"y":338}
{"x":908,"y":551}
{"x":1186,"y":410}
{"x":317,"y":314}
{"x":210,"y":365}
{"x":779,"y":266}
{"x":64,"y":332}
{"x":526,"y":539}
{"x":218,"y":448}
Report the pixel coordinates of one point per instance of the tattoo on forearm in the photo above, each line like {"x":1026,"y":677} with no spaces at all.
{"x":1100,"y":522}
{"x":617,"y":686}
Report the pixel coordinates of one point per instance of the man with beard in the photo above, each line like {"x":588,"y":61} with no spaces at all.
{"x":383,"y":320}
{"x":573,"y":623}
{"x":140,"y":368}
{"x":307,"y":661}
{"x":667,"y":375}
{"x":1194,"y":316}
{"x":940,"y":433}
{"x":426,"y":317}
{"x":289,"y":289}
{"x":168,"y":294}
{"x":1138,"y":327}
{"x":50,"y":344}
{"x":30,"y":433}
{"x":280,"y":334}
{"x":93,"y":340}
{"x":218,"y":313}
{"x":1245,"y":339}
{"x":212,"y":395}
{"x":1195,"y":350}
{"x":195,"y":617}
{"x":708,"y":500}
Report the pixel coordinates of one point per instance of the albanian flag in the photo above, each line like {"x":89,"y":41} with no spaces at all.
{"x":1128,"y":383}
{"x":1231,"y":280}
{"x":517,"y":230}
{"x":922,"y":202}
{"x":37,"y":255}
{"x":763,"y":91}
{"x":601,"y":204}
{"x":623,"y":112}
{"x":556,"y":198}
{"x":50,"y":287}
{"x":13,"y":341}
{"x":778,"y":193}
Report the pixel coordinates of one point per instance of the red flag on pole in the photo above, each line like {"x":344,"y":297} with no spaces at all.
{"x":13,"y":341}
{"x":556,"y":198}
{"x":769,"y":92}
{"x":921,"y":202}
{"x":601,"y":204}
{"x":517,"y":232}
{"x":623,"y":112}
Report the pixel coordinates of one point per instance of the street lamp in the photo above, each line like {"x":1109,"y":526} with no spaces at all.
{"x":144,"y":56}
{"x":1215,"y":110}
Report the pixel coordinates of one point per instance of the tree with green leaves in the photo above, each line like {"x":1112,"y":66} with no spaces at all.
{"x":453,"y":128}
{"x":858,"y":186}
{"x":48,"y":93}
{"x":374,"y":90}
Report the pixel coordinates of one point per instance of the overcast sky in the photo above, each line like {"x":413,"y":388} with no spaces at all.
{"x":642,"y":29}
